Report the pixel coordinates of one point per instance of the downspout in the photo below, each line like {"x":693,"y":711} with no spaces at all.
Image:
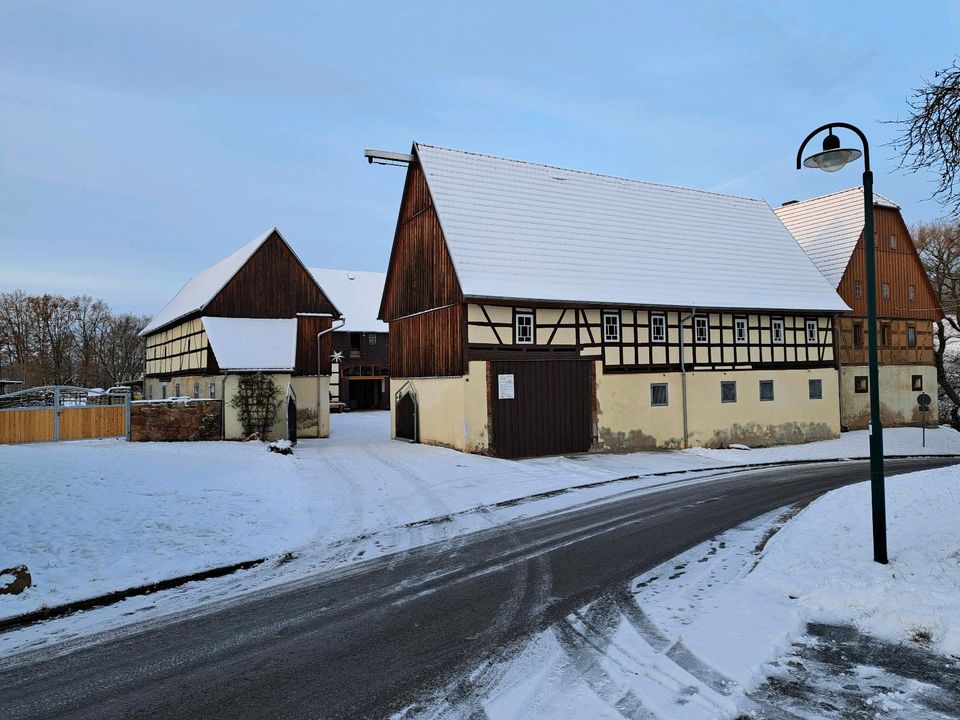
{"x":683,"y":376}
{"x":333,"y":326}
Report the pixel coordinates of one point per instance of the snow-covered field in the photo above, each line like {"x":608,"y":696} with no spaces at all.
{"x":694,"y":637}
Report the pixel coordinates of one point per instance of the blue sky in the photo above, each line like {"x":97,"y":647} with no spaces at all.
{"x":142,"y":142}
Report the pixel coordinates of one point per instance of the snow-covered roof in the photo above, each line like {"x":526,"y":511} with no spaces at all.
{"x":252,"y":343}
{"x":202,"y":288}
{"x":356,"y":294}
{"x":518,"y":230}
{"x":828,"y":227}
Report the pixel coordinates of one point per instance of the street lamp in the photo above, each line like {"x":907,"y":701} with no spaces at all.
{"x":831,"y":159}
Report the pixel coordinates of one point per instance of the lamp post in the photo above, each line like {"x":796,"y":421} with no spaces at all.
{"x":831,"y":159}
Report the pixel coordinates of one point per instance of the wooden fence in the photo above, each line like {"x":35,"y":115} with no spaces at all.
{"x":54,"y":413}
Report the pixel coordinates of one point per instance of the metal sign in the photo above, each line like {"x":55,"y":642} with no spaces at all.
{"x":505,"y":387}
{"x":923,"y":400}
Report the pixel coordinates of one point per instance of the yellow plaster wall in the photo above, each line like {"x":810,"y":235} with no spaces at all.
{"x":898,"y":399}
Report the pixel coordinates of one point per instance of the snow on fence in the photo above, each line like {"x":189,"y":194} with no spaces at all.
{"x":59,"y":412}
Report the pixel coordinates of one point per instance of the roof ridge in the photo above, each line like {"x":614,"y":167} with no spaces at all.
{"x":855,"y":188}
{"x":602,"y":176}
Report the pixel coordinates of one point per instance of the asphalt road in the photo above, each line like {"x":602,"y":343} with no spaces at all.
{"x":366,"y":641}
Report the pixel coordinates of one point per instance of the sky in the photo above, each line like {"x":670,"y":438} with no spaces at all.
{"x":142,"y":142}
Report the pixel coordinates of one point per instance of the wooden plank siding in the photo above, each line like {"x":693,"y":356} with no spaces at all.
{"x":421,"y":275}
{"x":92,"y":422}
{"x":429,"y":344}
{"x":308,"y":326}
{"x":21,"y":426}
{"x":271,"y":284}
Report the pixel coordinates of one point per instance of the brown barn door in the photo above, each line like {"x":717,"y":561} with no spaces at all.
{"x":541,"y":407}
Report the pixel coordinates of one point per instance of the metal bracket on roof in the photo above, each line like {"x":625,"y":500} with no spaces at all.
{"x":383,"y":157}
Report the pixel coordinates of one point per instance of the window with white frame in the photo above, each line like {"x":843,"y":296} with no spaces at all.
{"x":777,"y":330}
{"x":523,"y":328}
{"x":611,"y":327}
{"x":700,"y":329}
{"x":658,"y":328}
{"x":740,"y":330}
{"x":812,"y":334}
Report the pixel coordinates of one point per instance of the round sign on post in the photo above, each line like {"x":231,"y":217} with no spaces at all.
{"x":923,"y":400}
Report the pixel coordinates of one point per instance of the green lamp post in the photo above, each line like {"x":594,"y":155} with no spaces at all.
{"x":831,"y":159}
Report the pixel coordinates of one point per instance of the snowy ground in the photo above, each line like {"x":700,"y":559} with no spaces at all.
{"x":758,"y":620}
{"x":91,"y":517}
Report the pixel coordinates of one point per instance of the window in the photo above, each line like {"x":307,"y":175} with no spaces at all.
{"x":611,"y":327}
{"x":658,"y":394}
{"x":812,"y":334}
{"x":658,"y":328}
{"x":355,"y":340}
{"x":857,"y":289}
{"x":523,"y":329}
{"x":893,"y":242}
{"x":885,"y":335}
{"x":857,"y":335}
{"x":777,"y":326}
{"x":700,"y":327}
{"x":911,"y":293}
{"x":766,"y":390}
{"x":371,"y":339}
{"x":885,"y":291}
{"x":816,"y":389}
{"x":176,"y":390}
{"x":163,"y":391}
{"x":916,"y":382}
{"x":728,"y":391}
{"x":196,"y":390}
{"x":213,"y":390}
{"x":860,"y":383}
{"x":149,"y":392}
{"x":911,"y":336}
{"x":740,"y":330}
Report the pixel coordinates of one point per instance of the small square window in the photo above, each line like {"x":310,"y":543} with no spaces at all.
{"x":911,"y":336}
{"x":893,"y":242}
{"x":916,"y":382}
{"x":858,"y":289}
{"x":213,"y":390}
{"x":611,"y":327}
{"x":816,"y":389}
{"x":740,"y":330}
{"x":728,"y":391}
{"x":857,"y":335}
{"x":701,"y":329}
{"x":658,"y":394}
{"x":766,"y":390}
{"x":812,"y":332}
{"x":911,"y":293}
{"x":658,"y":328}
{"x":885,"y":291}
{"x":777,"y":331}
{"x":524,"y":329}
{"x":860,"y":384}
{"x":196,"y":390}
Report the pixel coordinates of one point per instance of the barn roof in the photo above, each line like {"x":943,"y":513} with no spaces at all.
{"x":252,"y":343}
{"x":519,"y":230}
{"x":202,"y":288}
{"x":356,"y":294}
{"x":828,"y":227}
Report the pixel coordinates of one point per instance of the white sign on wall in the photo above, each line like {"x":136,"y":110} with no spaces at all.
{"x":505,"y":387}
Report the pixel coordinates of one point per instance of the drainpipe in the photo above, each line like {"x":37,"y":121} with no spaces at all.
{"x":334,"y":326}
{"x":683,"y":376}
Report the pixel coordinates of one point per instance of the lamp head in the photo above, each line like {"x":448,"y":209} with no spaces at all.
{"x":833,"y":157}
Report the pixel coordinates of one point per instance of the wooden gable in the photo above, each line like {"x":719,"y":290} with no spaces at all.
{"x":421,"y":275}
{"x":273,"y":283}
{"x":900,"y":267}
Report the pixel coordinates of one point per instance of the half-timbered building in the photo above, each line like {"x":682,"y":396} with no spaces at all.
{"x":258,"y":310}
{"x":830,"y":230}
{"x":536,"y":310}
{"x":359,"y":375}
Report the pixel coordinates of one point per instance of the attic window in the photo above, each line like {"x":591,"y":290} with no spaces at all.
{"x":611,"y":327}
{"x":858,"y":289}
{"x":812,"y":331}
{"x":658,"y":328}
{"x":893,"y":242}
{"x":777,"y":330}
{"x":740,"y":330}
{"x":911,"y":293}
{"x":523,"y":328}
{"x":700,"y":327}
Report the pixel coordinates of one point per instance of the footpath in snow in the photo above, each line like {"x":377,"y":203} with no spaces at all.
{"x":699,"y":636}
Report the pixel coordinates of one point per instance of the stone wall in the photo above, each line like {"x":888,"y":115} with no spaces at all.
{"x":193,"y":420}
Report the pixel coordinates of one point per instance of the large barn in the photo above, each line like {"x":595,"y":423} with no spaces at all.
{"x":830,"y":230}
{"x":258,"y":310}
{"x":537,"y":310}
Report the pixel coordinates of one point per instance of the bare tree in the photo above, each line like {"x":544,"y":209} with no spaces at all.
{"x":939,"y":246}
{"x":121,"y":351}
{"x":930,"y":134}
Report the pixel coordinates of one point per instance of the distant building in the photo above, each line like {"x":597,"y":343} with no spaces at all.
{"x":360,"y":375}
{"x":9,"y":386}
{"x":258,"y":310}
{"x":830,"y":230}
{"x":535,"y":310}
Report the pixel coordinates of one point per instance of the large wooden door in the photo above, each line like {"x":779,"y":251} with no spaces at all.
{"x":549,"y":412}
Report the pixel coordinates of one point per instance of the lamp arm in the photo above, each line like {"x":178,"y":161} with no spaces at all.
{"x":831,"y":126}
